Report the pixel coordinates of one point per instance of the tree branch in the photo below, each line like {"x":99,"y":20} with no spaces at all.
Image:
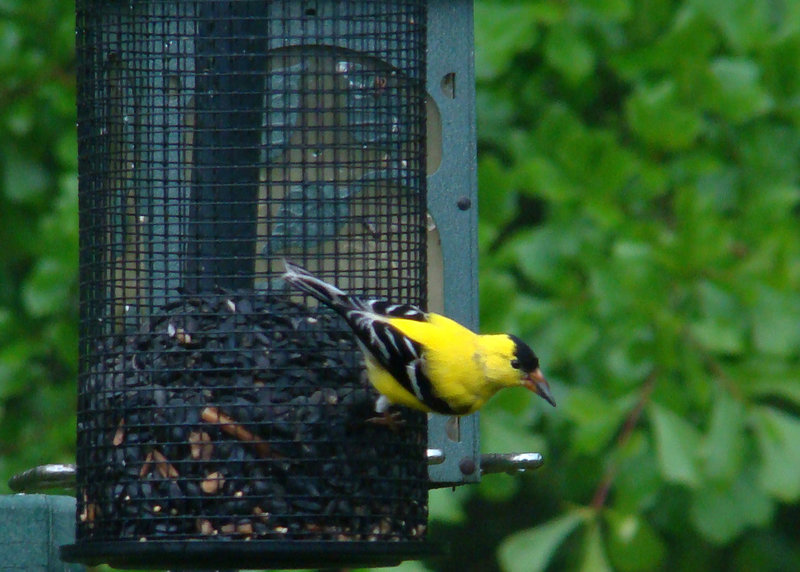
{"x":601,"y":493}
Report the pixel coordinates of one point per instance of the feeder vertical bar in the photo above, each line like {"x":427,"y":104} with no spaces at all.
{"x":452,"y":201}
{"x":230,"y":66}
{"x":169,"y":88}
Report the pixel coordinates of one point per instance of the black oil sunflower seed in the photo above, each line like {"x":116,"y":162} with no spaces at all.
{"x":230,"y":416}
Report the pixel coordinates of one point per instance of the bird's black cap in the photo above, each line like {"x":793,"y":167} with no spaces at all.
{"x":522,"y":351}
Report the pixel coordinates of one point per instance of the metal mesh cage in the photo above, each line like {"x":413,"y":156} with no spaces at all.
{"x":215,"y":140}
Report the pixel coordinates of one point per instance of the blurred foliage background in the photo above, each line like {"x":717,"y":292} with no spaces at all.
{"x":639,"y":194}
{"x":38,"y":234}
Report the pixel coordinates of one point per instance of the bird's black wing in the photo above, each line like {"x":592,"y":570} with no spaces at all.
{"x":401,"y":356}
{"x":386,"y":308}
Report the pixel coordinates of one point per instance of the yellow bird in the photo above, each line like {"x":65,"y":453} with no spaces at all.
{"x":424,"y":360}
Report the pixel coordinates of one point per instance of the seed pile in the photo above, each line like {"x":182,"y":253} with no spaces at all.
{"x":230,"y":416}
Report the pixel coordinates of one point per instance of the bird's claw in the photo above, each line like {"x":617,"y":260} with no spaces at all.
{"x":393,"y":420}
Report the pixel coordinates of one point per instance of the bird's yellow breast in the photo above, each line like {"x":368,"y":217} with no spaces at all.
{"x":453,"y":361}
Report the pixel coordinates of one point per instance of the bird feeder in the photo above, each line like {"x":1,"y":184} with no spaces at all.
{"x":222,"y":417}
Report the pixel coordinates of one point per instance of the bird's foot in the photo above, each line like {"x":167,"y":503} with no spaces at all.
{"x":391,"y":419}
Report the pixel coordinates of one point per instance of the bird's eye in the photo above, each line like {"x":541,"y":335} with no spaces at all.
{"x":515,"y":363}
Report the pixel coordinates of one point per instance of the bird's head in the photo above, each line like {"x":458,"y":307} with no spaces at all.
{"x":525,"y":367}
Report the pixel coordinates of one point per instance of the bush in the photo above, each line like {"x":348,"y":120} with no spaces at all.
{"x":639,"y":173}
{"x":38,"y":234}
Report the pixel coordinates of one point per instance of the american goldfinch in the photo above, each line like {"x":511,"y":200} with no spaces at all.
{"x":424,"y":360}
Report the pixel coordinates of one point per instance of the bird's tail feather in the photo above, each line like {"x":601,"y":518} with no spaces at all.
{"x":319,"y":289}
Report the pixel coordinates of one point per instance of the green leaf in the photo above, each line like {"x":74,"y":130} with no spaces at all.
{"x":24,"y":179}
{"x":496,"y":197}
{"x":6,"y":322}
{"x":777,"y":74}
{"x":607,"y":291}
{"x":614,"y":10}
{"x":633,"y":544}
{"x":776,"y":329}
{"x":570,"y":335}
{"x":778,"y":436}
{"x":528,"y":315}
{"x":497,"y":291}
{"x":637,"y":259}
{"x":487,"y":234}
{"x":546,"y":179}
{"x":721,"y":327}
{"x":745,"y":23}
{"x":499,"y":487}
{"x":62,"y":337}
{"x":66,"y":149}
{"x":594,"y":552}
{"x":15,"y":360}
{"x":771,"y":152}
{"x":10,"y":39}
{"x":657,"y":116}
{"x":447,"y":505}
{"x":47,"y":288}
{"x":597,"y":419}
{"x":718,"y":337}
{"x":501,"y":32}
{"x":677,"y":443}
{"x":567,"y":51}
{"x":638,"y":480}
{"x":539,"y":252}
{"x":772,"y":549}
{"x":739,"y":95}
{"x":502,"y":432}
{"x":674,"y":47}
{"x":558,"y":130}
{"x":531,"y":550}
{"x":494,"y":116}
{"x":626,"y":365}
{"x":784,"y":386}
{"x":722,"y":513}
{"x":723,"y":447}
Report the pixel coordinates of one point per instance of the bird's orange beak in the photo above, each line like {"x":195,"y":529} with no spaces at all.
{"x":536,"y":382}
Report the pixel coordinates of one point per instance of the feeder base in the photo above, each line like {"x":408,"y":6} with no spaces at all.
{"x":238,"y":554}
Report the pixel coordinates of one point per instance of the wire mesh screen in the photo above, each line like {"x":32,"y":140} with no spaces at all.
{"x":215,"y":140}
